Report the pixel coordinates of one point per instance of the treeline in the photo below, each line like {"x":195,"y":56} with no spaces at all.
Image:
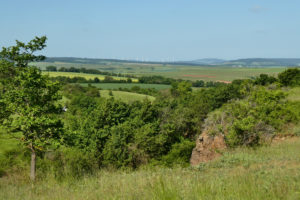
{"x":139,"y":90}
{"x":79,"y":79}
{"x":169,"y":81}
{"x":109,"y":79}
{"x":290,"y":77}
{"x":86,"y":71}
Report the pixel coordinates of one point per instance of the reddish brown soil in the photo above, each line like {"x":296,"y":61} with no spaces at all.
{"x":207,"y":148}
{"x":221,"y":81}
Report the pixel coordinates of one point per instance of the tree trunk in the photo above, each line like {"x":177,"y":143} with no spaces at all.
{"x":32,"y":166}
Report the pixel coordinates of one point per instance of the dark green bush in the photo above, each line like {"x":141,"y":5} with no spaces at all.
{"x":179,"y":154}
{"x":252,"y":120}
{"x":67,"y":162}
{"x":290,"y":77}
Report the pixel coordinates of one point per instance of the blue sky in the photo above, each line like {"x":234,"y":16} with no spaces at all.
{"x":156,"y":29}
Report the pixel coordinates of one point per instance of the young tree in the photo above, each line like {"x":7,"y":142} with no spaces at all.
{"x":29,"y":98}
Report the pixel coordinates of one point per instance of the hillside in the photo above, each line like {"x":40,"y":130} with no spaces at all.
{"x":268,"y":172}
{"x":264,"y":62}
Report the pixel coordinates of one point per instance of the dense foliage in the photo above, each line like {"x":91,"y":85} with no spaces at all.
{"x":29,"y":99}
{"x":96,"y":132}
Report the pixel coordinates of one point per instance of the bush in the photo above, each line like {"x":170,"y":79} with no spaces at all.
{"x":253,"y":120}
{"x":264,"y":79}
{"x":290,"y":77}
{"x":14,"y":160}
{"x":67,"y":162}
{"x":180,"y":153}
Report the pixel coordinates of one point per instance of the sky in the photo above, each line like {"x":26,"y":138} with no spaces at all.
{"x":157,"y":30}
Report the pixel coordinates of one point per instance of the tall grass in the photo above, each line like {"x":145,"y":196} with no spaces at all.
{"x":267,"y":172}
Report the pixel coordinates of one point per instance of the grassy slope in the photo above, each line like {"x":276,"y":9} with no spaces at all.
{"x":126,"y":96}
{"x":127,"y":85}
{"x":262,"y":173}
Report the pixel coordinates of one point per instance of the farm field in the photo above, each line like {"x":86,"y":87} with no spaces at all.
{"x":126,"y":96}
{"x":267,"y":172}
{"x":206,"y":73}
{"x":86,"y":76}
{"x":107,"y":86}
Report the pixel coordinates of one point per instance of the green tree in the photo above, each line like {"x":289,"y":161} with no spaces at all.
{"x":30,"y":98}
{"x":51,"y":68}
{"x":290,"y":77}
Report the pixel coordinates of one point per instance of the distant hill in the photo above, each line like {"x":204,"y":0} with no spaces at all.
{"x":207,"y":61}
{"x":107,"y":61}
{"x":248,"y":62}
{"x":264,"y":62}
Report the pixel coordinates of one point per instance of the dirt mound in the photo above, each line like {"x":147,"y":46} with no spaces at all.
{"x":207,"y":148}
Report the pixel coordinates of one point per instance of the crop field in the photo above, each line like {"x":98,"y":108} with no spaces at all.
{"x":206,"y":73}
{"x":111,"y":86}
{"x":127,"y":97}
{"x":86,"y":76}
{"x":267,"y":172}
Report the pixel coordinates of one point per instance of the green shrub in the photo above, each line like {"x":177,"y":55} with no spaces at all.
{"x":67,"y":162}
{"x":179,"y":154}
{"x":253,"y":120}
{"x":290,"y":77}
{"x":14,"y":160}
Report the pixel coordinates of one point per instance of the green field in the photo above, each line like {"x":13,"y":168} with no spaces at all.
{"x":86,"y":76}
{"x":206,"y":73}
{"x":112,"y":86}
{"x":126,"y":96}
{"x":266,"y":173}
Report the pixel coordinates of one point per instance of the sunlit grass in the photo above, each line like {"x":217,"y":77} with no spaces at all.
{"x":126,"y":96}
{"x":262,"y":173}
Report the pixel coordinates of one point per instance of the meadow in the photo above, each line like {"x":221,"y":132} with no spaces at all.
{"x":206,"y":73}
{"x":127,"y":97}
{"x":266,"y":172}
{"x":112,"y":86}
